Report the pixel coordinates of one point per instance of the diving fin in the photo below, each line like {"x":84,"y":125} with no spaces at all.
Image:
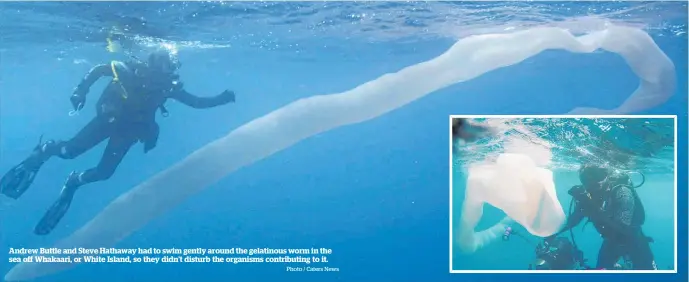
{"x":16,"y":181}
{"x":53,"y":216}
{"x":58,"y":210}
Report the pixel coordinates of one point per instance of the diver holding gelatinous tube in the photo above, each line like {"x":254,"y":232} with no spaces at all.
{"x":609,"y":200}
{"x":520,"y":184}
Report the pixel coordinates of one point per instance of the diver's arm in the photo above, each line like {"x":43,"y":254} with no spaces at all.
{"x":198,"y":102}
{"x":78,"y":98}
{"x":572,"y":221}
{"x":91,"y":77}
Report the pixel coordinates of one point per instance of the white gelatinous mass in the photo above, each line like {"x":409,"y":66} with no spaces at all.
{"x":515,"y":185}
{"x":468,"y":58}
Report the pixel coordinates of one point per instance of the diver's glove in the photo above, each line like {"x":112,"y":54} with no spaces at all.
{"x":177,"y":85}
{"x":227,"y":96}
{"x":78,"y":100}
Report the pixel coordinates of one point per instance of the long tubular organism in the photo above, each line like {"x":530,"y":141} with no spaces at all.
{"x":515,"y":185}
{"x":467,"y":59}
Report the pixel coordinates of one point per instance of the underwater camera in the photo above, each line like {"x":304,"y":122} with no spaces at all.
{"x":557,"y":254}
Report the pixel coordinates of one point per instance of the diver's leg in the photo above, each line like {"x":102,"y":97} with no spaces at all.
{"x":15,"y":182}
{"x":608,"y":255}
{"x":642,"y":257}
{"x":97,"y":130}
{"x":117,"y":148}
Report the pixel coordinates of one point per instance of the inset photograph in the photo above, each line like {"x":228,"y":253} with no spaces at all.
{"x":563,"y":194}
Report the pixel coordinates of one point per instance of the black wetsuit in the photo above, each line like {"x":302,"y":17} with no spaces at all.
{"x":125,"y":114}
{"x":618,"y":218}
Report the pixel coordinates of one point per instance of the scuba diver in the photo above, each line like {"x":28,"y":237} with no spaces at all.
{"x":554,"y":254}
{"x":125,"y":115}
{"x":559,"y":253}
{"x":609,"y":200}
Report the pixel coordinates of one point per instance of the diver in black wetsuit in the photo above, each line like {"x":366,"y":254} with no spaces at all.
{"x":125,"y":115}
{"x":611,"y":203}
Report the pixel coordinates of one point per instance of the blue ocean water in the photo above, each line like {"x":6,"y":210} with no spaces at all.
{"x":642,"y":148}
{"x":376,"y":192}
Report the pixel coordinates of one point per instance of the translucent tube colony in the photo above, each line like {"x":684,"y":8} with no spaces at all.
{"x":467,"y":59}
